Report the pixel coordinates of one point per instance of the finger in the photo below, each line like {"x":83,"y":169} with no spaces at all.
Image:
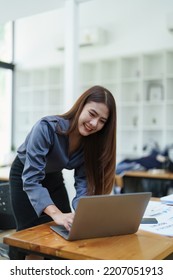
{"x":67,"y":226}
{"x":70,"y":221}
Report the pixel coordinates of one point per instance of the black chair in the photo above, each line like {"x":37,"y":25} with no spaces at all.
{"x":7,"y":220}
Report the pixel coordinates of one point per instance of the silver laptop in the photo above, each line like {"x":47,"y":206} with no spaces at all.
{"x":106,"y":215}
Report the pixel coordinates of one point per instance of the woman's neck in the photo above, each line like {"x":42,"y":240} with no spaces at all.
{"x":75,"y":140}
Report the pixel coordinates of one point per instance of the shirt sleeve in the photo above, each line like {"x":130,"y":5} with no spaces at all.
{"x":37,"y":147}
{"x":80,"y":185}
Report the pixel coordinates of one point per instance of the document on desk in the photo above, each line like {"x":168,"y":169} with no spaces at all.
{"x":164,"y":215}
{"x":168,"y":199}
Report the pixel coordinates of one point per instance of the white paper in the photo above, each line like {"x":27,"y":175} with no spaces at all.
{"x":167,"y":199}
{"x":164,"y":215}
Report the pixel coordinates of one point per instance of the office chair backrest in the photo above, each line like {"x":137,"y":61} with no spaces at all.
{"x":7,"y":220}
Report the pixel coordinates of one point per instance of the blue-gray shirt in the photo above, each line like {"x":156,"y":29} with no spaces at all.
{"x":45,"y":151}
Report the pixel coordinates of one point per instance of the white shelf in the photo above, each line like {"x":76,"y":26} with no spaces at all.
{"x":142,"y":85}
{"x":128,"y":128}
{"x":39,"y":92}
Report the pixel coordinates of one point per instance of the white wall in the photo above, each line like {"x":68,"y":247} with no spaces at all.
{"x":36,"y":39}
{"x":131,"y":26}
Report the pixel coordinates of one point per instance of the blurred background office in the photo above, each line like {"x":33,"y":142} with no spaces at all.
{"x":51,"y":51}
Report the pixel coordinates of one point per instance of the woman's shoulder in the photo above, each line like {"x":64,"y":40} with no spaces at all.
{"x":52,"y":118}
{"x":55,"y":121}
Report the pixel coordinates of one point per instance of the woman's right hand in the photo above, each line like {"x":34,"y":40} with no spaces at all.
{"x":63,"y":219}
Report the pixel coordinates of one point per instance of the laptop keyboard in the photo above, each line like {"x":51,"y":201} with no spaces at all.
{"x":64,"y":231}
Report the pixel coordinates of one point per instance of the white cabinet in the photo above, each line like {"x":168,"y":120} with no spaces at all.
{"x":142,"y":85}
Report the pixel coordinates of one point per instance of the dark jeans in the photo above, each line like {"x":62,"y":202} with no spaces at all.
{"x":24,"y":213}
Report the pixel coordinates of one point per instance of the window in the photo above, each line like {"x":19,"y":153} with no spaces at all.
{"x":6,"y":42}
{"x":6,"y":87}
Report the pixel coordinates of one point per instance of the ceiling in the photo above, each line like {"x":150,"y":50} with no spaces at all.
{"x":12,"y":10}
{"x":15,"y":9}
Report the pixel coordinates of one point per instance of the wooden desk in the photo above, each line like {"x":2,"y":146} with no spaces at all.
{"x":4,"y":173}
{"x":132,"y":179}
{"x":160,"y":174}
{"x":42,"y":240}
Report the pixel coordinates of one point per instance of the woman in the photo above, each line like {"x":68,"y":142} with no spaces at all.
{"x":83,"y":139}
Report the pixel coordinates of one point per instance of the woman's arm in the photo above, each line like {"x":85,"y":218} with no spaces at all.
{"x":37,"y":147}
{"x":80,"y":185}
{"x":63,"y":219}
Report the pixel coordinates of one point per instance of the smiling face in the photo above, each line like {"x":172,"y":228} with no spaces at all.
{"x":92,"y":118}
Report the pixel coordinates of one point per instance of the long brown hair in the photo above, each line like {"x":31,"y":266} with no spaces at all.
{"x":99,"y":147}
